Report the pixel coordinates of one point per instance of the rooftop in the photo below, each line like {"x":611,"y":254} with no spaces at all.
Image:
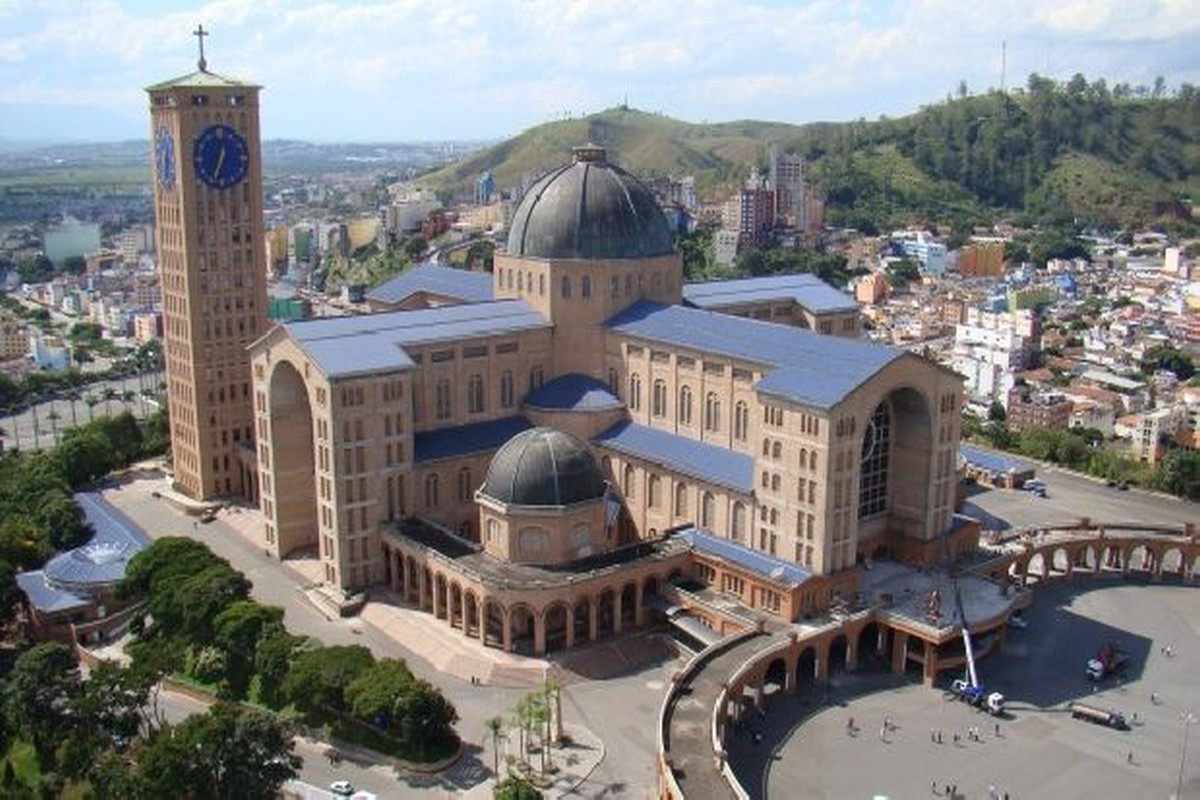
{"x":461,"y":440}
{"x":776,"y":570}
{"x":805,"y":289}
{"x":698,"y":460}
{"x":994,"y":462}
{"x":573,"y":392}
{"x":471,"y":560}
{"x":356,"y":345}
{"x":460,"y":284}
{"x":808,"y":368}
{"x":202,"y":79}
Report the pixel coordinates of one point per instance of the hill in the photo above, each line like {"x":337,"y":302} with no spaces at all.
{"x":1074,"y":152}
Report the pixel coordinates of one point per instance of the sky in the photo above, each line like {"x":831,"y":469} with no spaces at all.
{"x":419,"y":70}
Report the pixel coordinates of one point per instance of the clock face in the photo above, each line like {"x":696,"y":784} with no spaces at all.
{"x":221,"y":156}
{"x":164,"y":157}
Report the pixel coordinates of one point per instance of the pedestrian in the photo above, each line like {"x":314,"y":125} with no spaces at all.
{"x":948,"y":791}
{"x":1129,"y":758}
{"x":939,"y":735}
{"x":932,"y":735}
{"x":956,"y":738}
{"x":998,"y":730}
{"x":933,"y":787}
{"x":850,"y":725}
{"x":887,"y":723}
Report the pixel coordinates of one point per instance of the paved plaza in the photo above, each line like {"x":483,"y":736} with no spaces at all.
{"x":1041,"y":752}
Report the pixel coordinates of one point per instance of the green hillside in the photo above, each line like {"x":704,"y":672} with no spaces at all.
{"x":1073,"y":152}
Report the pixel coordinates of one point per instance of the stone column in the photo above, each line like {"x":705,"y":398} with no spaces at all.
{"x":570,"y":626}
{"x":539,"y":635}
{"x":506,"y":635}
{"x":899,"y":652}
{"x":593,"y":624}
{"x":617,"y":613}
{"x":929,"y":675}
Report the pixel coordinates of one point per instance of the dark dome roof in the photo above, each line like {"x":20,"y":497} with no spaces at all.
{"x":589,"y":209}
{"x":544,"y":467}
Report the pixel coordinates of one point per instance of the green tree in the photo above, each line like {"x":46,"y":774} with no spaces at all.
{"x":1179,"y":473}
{"x":229,"y":752}
{"x":38,"y":696}
{"x":996,"y":412}
{"x":494,"y":728}
{"x":373,"y":695}
{"x":1166,"y":357}
{"x":272,"y":660}
{"x":237,"y":630}
{"x":427,"y":720}
{"x":515,"y":787}
{"x":318,"y":678}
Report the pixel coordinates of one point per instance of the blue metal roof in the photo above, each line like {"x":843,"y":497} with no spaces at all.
{"x":46,"y":598}
{"x":65,"y":581}
{"x":345,"y":346}
{"x":780,"y":572}
{"x":809,"y":368}
{"x":808,"y":290}
{"x":994,"y":462}
{"x":103,"y":559}
{"x":698,"y":460}
{"x":460,"y":440}
{"x":573,"y":392}
{"x":461,"y":284}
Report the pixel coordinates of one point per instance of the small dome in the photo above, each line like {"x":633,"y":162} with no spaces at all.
{"x":589,"y":209}
{"x":544,"y":467}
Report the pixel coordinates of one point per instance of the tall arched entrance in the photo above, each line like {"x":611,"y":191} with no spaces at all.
{"x":896,"y":467}
{"x":293,"y":494}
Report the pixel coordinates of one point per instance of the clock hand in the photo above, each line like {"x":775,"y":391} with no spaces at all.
{"x":220,"y":159}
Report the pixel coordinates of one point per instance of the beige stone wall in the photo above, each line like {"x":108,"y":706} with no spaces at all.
{"x":526,"y":535}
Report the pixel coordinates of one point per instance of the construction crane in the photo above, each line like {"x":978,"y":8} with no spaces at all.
{"x":969,"y":689}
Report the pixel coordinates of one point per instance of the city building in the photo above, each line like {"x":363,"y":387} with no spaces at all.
{"x":982,"y":258}
{"x":14,"y":339}
{"x":1029,"y":408}
{"x":991,"y":347}
{"x":485,"y":188}
{"x":787,"y":181}
{"x":212,"y":268}
{"x":534,"y":467}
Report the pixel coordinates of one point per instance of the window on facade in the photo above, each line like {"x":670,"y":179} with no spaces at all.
{"x":464,"y":485}
{"x":431,"y":491}
{"x":630,"y":483}
{"x":585,"y":287}
{"x":535,"y":378}
{"x":445,"y":408}
{"x":737,"y":529}
{"x":873,"y":474}
{"x":658,"y":403}
{"x":685,"y":405}
{"x":635,"y":392}
{"x":506,"y":389}
{"x":614,"y":385}
{"x":741,"y":421}
{"x":681,"y":504}
{"x":541,"y":285}
{"x":712,"y":412}
{"x":566,"y":287}
{"x":654,"y":492}
{"x":777,"y":450}
{"x":475,"y":394}
{"x":708,"y":510}
{"x":616,"y":287}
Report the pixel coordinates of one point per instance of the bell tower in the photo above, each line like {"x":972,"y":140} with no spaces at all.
{"x":204,"y":132}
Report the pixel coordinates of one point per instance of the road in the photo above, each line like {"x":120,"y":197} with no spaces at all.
{"x":1071,"y":496}
{"x":621,"y":712}
{"x":42,"y":425}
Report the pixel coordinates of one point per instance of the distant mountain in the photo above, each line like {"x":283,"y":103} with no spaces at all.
{"x":1071,"y":152}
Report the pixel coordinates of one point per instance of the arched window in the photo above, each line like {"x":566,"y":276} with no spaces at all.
{"x":506,"y":389}
{"x":681,"y":504}
{"x":766,"y":447}
{"x":566,"y":287}
{"x":464,"y":485}
{"x":475,"y":394}
{"x":658,"y":403}
{"x":873,"y":469}
{"x":635,"y":392}
{"x":775,"y":482}
{"x":812,"y":461}
{"x":654,"y":492}
{"x":712,"y":412}
{"x":803,"y":458}
{"x":629,"y":485}
{"x":741,"y":421}
{"x":737,"y":529}
{"x":535,"y":378}
{"x":542,"y":285}
{"x":685,"y":405}
{"x":585,"y":287}
{"x":431,"y":491}
{"x":493,"y":530}
{"x":445,"y":409}
{"x":777,"y":450}
{"x":708,"y":511}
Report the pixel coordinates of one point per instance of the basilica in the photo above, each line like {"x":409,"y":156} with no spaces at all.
{"x":542,"y":454}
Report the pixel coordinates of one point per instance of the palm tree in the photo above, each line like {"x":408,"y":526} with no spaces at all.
{"x":54,"y":418}
{"x":92,"y":401}
{"x":494,"y":726}
{"x":73,"y":396}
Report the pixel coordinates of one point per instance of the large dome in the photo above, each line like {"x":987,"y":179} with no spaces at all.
{"x":589,"y":209}
{"x":544,"y":467}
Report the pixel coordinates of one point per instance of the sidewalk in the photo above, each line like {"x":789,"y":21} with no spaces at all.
{"x":574,"y":760}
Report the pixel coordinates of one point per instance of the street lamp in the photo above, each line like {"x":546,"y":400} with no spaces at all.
{"x":1187,"y":717}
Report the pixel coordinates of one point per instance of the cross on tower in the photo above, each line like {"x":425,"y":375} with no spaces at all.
{"x":200,"y":33}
